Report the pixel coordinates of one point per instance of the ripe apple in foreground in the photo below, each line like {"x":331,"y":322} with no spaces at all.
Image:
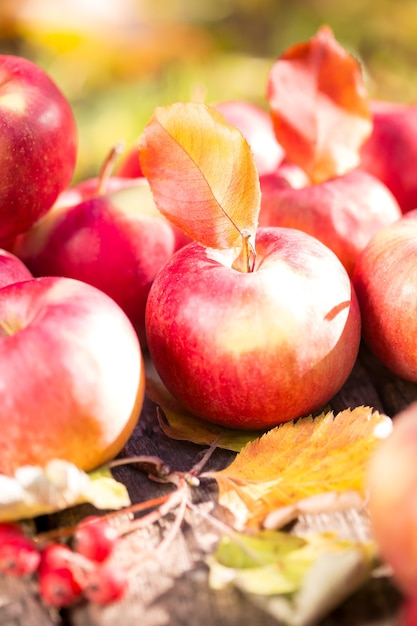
{"x":38,"y":144}
{"x":12,"y":269}
{"x":385,"y":280}
{"x":253,"y":349}
{"x":390,"y":153}
{"x":343,"y":212}
{"x":392,"y":501}
{"x":71,"y":374}
{"x":116,"y":242}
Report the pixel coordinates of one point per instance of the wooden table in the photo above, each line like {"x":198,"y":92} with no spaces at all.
{"x":174,"y":590}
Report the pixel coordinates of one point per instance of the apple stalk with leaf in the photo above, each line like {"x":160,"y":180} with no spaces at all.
{"x":246,"y":327}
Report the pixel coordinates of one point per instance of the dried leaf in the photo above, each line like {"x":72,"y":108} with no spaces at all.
{"x":329,"y":502}
{"x":298,"y":460}
{"x":297,"y":579}
{"x":202,"y":174}
{"x":34,"y":490}
{"x":178,"y":423}
{"x":319,"y":106}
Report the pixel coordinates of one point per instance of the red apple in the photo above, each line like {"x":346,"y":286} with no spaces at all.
{"x":385,"y":279}
{"x":251,"y":350}
{"x":12,"y":269}
{"x":38,"y":144}
{"x":343,"y":212}
{"x":390,"y":153}
{"x":392,"y":501}
{"x":117,"y":242}
{"x":129,"y":166}
{"x":71,"y":374}
{"x":256,"y":126}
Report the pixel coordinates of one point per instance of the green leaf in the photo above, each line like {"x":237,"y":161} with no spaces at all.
{"x":296,"y":579}
{"x":245,"y":551}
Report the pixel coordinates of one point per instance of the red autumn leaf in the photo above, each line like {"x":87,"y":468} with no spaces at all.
{"x":319,"y":106}
{"x":202,"y":174}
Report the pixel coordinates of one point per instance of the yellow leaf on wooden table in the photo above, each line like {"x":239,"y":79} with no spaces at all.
{"x":301,"y":460}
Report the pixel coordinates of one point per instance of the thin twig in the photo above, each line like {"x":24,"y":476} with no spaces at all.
{"x":197,"y":467}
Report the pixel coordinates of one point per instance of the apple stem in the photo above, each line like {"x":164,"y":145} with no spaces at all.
{"x":245,"y":262}
{"x":107,"y":167}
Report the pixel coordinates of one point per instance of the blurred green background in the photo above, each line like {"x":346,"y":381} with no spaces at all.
{"x":117,"y":59}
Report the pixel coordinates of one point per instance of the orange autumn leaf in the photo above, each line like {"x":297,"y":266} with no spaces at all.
{"x":319,"y":106}
{"x":202,"y":174}
{"x":301,"y":459}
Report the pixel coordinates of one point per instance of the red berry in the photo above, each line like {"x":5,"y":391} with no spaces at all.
{"x":54,"y":556}
{"x":18,"y":555}
{"x":95,"y":538}
{"x":59,"y":586}
{"x":107,"y":583}
{"x":9,"y":528}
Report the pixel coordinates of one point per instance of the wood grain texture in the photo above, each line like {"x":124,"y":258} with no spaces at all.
{"x":173,"y":590}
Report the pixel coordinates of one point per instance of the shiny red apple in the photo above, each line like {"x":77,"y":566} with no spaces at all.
{"x":390,"y":153}
{"x":116,"y":241}
{"x":71,"y":372}
{"x":343,"y":212}
{"x":385,"y":280}
{"x":38,"y":144}
{"x":253,"y":349}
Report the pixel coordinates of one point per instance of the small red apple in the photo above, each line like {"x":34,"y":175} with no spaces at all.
{"x":38,"y":144}
{"x":12,"y":269}
{"x":256,"y":126}
{"x":71,"y":374}
{"x":390,"y":153}
{"x":253,"y":349}
{"x":344,"y":212}
{"x":385,"y":280}
{"x":117,"y":242}
{"x":392,"y":501}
